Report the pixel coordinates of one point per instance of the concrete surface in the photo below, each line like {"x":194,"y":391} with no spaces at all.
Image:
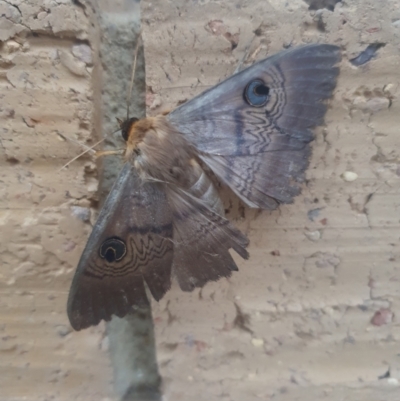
{"x":312,"y":315}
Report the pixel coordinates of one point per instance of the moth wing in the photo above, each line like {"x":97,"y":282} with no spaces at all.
{"x":131,"y":243}
{"x":202,"y":239}
{"x":258,"y":142}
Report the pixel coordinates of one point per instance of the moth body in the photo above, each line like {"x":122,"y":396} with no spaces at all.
{"x":161,"y":153}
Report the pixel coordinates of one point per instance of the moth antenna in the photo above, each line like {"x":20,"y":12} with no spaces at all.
{"x":66,"y":138}
{"x":128,"y":97}
{"x":87,"y":150}
{"x":130,"y":88}
{"x":114,"y":132}
{"x":82,"y":145}
{"x":245,"y":55}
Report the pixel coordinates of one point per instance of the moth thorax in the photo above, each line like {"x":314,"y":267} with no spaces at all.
{"x":135,"y":131}
{"x":162,"y":153}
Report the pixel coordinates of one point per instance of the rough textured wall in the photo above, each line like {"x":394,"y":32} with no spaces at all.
{"x":46,"y":67}
{"x":312,"y":314}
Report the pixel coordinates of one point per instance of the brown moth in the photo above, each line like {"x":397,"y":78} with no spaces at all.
{"x":163,"y":217}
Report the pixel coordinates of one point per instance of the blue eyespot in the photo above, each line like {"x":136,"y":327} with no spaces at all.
{"x":113,"y":249}
{"x":256,"y":93}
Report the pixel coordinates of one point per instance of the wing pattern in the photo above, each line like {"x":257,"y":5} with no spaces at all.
{"x":130,"y":244}
{"x":253,"y":130}
{"x":202,"y":239}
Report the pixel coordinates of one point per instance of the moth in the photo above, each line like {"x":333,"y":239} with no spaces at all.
{"x":163,"y":217}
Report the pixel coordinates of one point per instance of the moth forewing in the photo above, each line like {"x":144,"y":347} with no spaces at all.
{"x":253,"y":129}
{"x":131,"y":243}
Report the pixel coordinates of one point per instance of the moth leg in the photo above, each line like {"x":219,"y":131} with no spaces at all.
{"x":101,"y":153}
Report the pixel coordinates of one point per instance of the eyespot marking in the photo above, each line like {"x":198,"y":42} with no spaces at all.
{"x":256,"y":93}
{"x":113,"y":249}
